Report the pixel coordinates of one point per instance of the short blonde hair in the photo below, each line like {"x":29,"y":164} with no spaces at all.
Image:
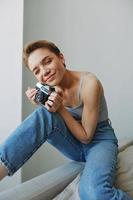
{"x":29,"y":48}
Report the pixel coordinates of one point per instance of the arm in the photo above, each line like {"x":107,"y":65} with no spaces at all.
{"x":74,"y":126}
{"x":85,"y":130}
{"x":91,"y":100}
{"x":54,"y":104}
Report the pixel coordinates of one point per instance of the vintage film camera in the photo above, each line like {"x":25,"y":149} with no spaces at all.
{"x":43,"y":92}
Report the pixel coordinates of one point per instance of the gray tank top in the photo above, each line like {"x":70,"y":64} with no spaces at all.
{"x":76,"y":111}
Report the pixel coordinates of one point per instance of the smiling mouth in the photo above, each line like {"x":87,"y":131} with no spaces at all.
{"x":50,"y":78}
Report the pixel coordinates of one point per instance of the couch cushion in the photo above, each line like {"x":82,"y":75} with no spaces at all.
{"x":45,"y":186}
{"x":70,"y":192}
{"x":124,"y":177}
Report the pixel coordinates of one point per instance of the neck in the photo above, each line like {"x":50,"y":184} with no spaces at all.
{"x":68,"y":80}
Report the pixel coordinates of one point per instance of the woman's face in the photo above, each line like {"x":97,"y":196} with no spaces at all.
{"x":46,"y":66}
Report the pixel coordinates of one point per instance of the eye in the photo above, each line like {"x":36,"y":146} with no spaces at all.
{"x":36,"y":72}
{"x":48,"y":61}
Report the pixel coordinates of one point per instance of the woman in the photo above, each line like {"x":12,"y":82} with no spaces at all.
{"x":74,"y":119}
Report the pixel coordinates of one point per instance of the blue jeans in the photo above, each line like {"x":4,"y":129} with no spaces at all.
{"x":100,"y":156}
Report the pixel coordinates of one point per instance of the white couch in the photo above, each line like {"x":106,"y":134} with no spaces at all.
{"x":62,"y":183}
{"x":45,"y":186}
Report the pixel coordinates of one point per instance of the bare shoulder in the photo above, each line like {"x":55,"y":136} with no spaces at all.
{"x":91,"y":79}
{"x":91,"y":84}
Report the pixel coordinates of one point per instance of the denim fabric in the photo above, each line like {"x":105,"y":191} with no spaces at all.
{"x":100,"y":156}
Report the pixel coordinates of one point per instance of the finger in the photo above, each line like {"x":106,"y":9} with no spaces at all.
{"x":48,"y":107}
{"x":33,"y":97}
{"x":52,"y":98}
{"x":51,"y":103}
{"x":32,"y":91}
{"x":55,"y":97}
{"x":31,"y":94}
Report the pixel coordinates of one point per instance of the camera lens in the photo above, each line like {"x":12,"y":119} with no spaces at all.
{"x":41,"y":97}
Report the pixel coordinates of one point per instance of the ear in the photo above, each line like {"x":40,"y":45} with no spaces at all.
{"x":61,"y":56}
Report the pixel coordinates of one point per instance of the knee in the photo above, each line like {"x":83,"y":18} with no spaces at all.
{"x":44,"y":113}
{"x":53,"y":119}
{"x":41,"y":110}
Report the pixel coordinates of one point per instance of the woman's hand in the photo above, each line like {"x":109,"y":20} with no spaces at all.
{"x":30,"y":93}
{"x":55,"y":100}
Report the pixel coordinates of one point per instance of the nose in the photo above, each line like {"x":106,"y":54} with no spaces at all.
{"x":46,"y":72}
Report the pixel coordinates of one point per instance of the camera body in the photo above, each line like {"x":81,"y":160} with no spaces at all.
{"x":43,"y":92}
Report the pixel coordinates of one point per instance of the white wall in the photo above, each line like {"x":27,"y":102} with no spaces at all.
{"x":11,"y":26}
{"x":95,"y":36}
